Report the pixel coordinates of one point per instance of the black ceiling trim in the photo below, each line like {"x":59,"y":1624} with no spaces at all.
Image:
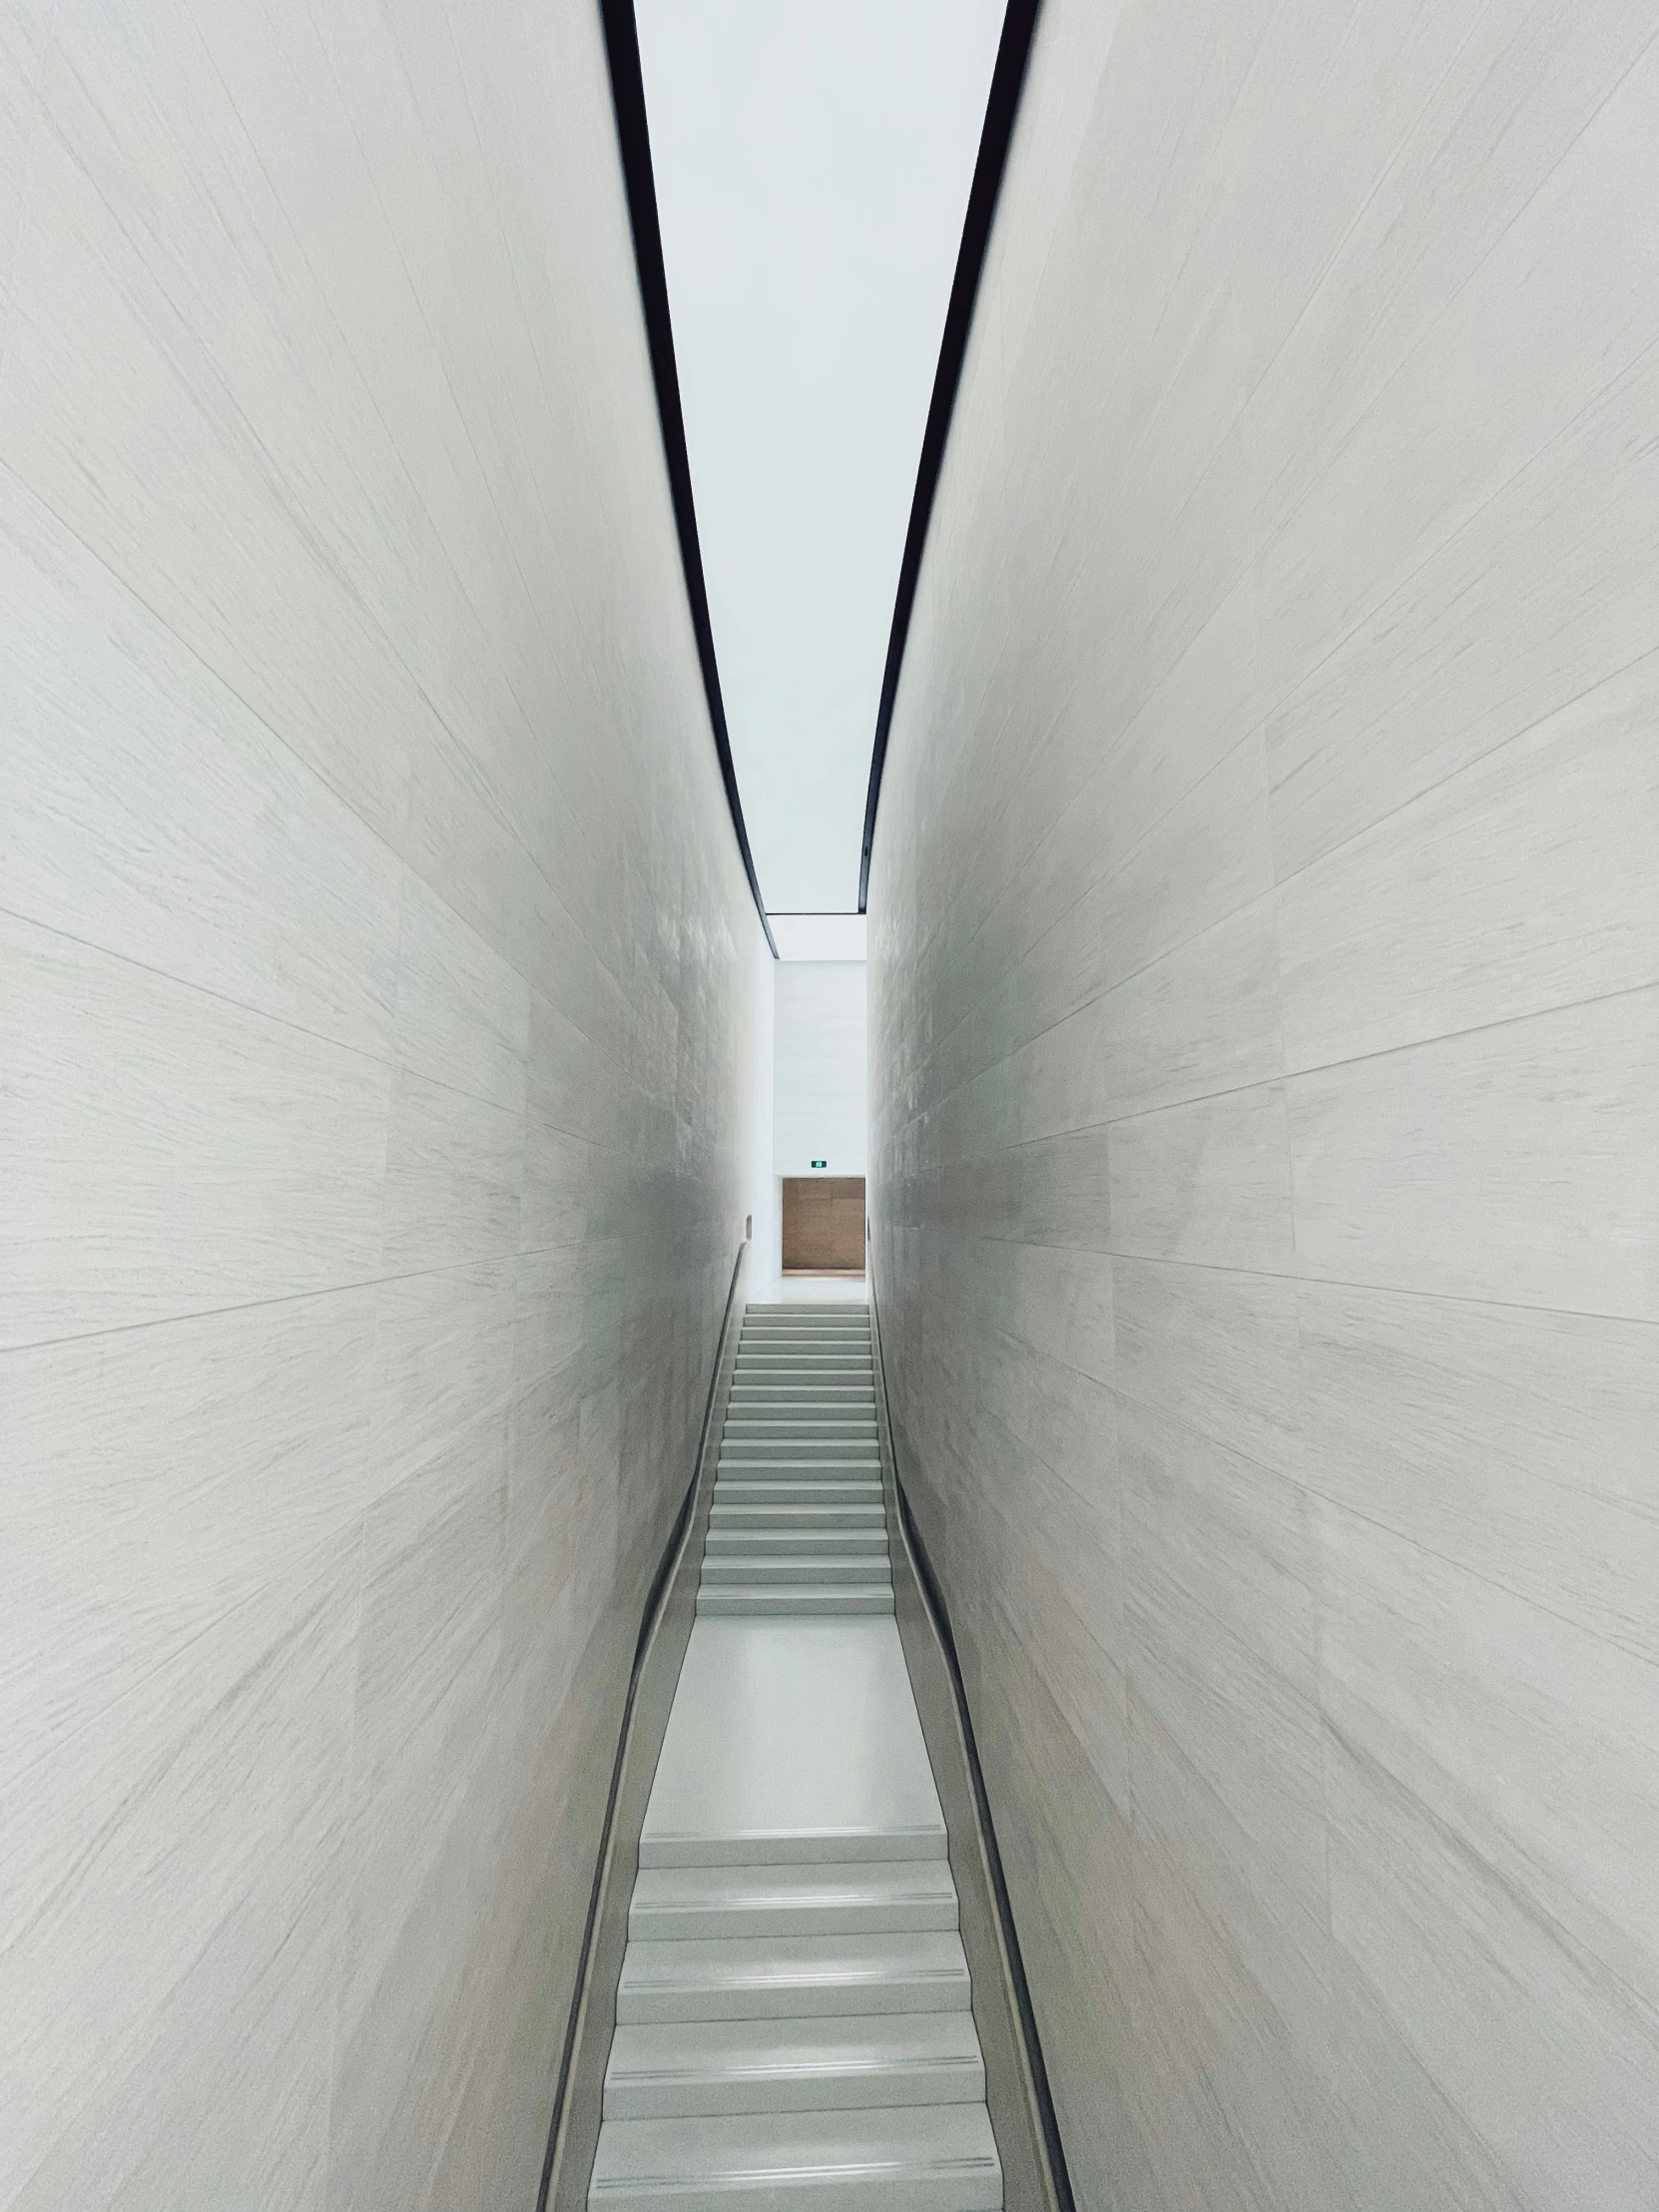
{"x":622,"y":48}
{"x":1012,"y":54}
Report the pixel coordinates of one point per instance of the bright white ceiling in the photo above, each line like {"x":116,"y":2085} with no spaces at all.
{"x":812,"y":160}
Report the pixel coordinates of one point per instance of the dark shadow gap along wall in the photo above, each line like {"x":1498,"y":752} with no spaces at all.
{"x":1264,"y":1029}
{"x":376,"y":963}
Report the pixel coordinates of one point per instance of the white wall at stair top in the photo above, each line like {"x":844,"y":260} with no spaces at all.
{"x":819,"y":1101}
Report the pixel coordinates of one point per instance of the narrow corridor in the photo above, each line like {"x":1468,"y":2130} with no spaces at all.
{"x":1007,"y":647}
{"x":793,"y":2021}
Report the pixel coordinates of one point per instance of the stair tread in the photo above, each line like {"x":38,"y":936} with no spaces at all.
{"x":816,"y":1583}
{"x":847,"y":1884}
{"x":922,"y":2158}
{"x":830,"y":1482}
{"x":874,"y":1559}
{"x":737,"y":1493}
{"x":863,"y":1481}
{"x":811,"y":1543}
{"x":736,"y":1600}
{"x":788,"y":1515}
{"x":842,"y":1972}
{"x":865,"y":1459}
{"x":856,"y":1481}
{"x":773,"y":1456}
{"x":857,"y":1571}
{"x":687,"y":2067}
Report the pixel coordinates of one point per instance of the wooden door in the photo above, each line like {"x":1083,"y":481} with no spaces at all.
{"x":823,"y":1225}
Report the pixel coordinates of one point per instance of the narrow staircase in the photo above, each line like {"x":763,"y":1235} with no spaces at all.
{"x":797,"y":1524}
{"x":794,"y":2024}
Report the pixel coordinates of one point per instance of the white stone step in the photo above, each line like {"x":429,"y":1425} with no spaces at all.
{"x":855,"y":1342}
{"x":675,"y":1903}
{"x":779,"y":1377}
{"x":798,"y":1440}
{"x":741,"y":1435}
{"x":840,"y":1398}
{"x":763,"y":1374}
{"x":799,"y":1470}
{"x":811,"y":1359}
{"x":800,"y":1403}
{"x":853,"y":1410}
{"x":807,"y":1317}
{"x":848,"y":1489}
{"x":791,"y":1977}
{"x":844,"y":1345}
{"x":808,"y":1543}
{"x":831,"y":1425}
{"x":801,"y":1453}
{"x":701,"y":2067}
{"x":780,"y":1517}
{"x":763,"y":1361}
{"x":769,"y":1499}
{"x":862,"y":1454}
{"x":843,"y":1351}
{"x":776,"y":1568}
{"x":773,"y":1601}
{"x":906,"y":2158}
{"x":842,"y":1332}
{"x":829,"y":1476}
{"x":744,"y":1468}
{"x":822,"y":1326}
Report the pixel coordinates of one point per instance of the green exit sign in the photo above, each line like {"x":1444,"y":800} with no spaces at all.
{"x":820,"y":1163}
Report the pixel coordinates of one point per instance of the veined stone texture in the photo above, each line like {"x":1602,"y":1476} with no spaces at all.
{"x":376,"y":965}
{"x":1264,"y":1035}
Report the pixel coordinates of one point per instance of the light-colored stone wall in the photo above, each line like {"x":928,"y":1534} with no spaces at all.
{"x":1265,"y":946}
{"x":821,"y":1106}
{"x":375,"y":987}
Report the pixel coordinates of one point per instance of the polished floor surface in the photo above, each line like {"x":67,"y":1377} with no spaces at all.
{"x":792,"y":2020}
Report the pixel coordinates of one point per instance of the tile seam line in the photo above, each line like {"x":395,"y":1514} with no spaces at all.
{"x":1256,"y":728}
{"x":1369,"y":1287}
{"x":1277,"y":705}
{"x":223,"y":998}
{"x":1286,"y":1076}
{"x":287,"y":494}
{"x":369,"y":392}
{"x":533,"y":337}
{"x":26,"y":199}
{"x":1517,"y":215}
{"x":70,"y":1876}
{"x":289,"y":1298}
{"x":1369,"y":619}
{"x":1590,"y":1964}
{"x":393,"y":1060}
{"x":1649,"y":1658}
{"x":439,"y":354}
{"x":1279,"y":883}
{"x":1471,"y":767}
{"x":128,"y":588}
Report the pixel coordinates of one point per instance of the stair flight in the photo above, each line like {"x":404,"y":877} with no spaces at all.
{"x":794,"y":2024}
